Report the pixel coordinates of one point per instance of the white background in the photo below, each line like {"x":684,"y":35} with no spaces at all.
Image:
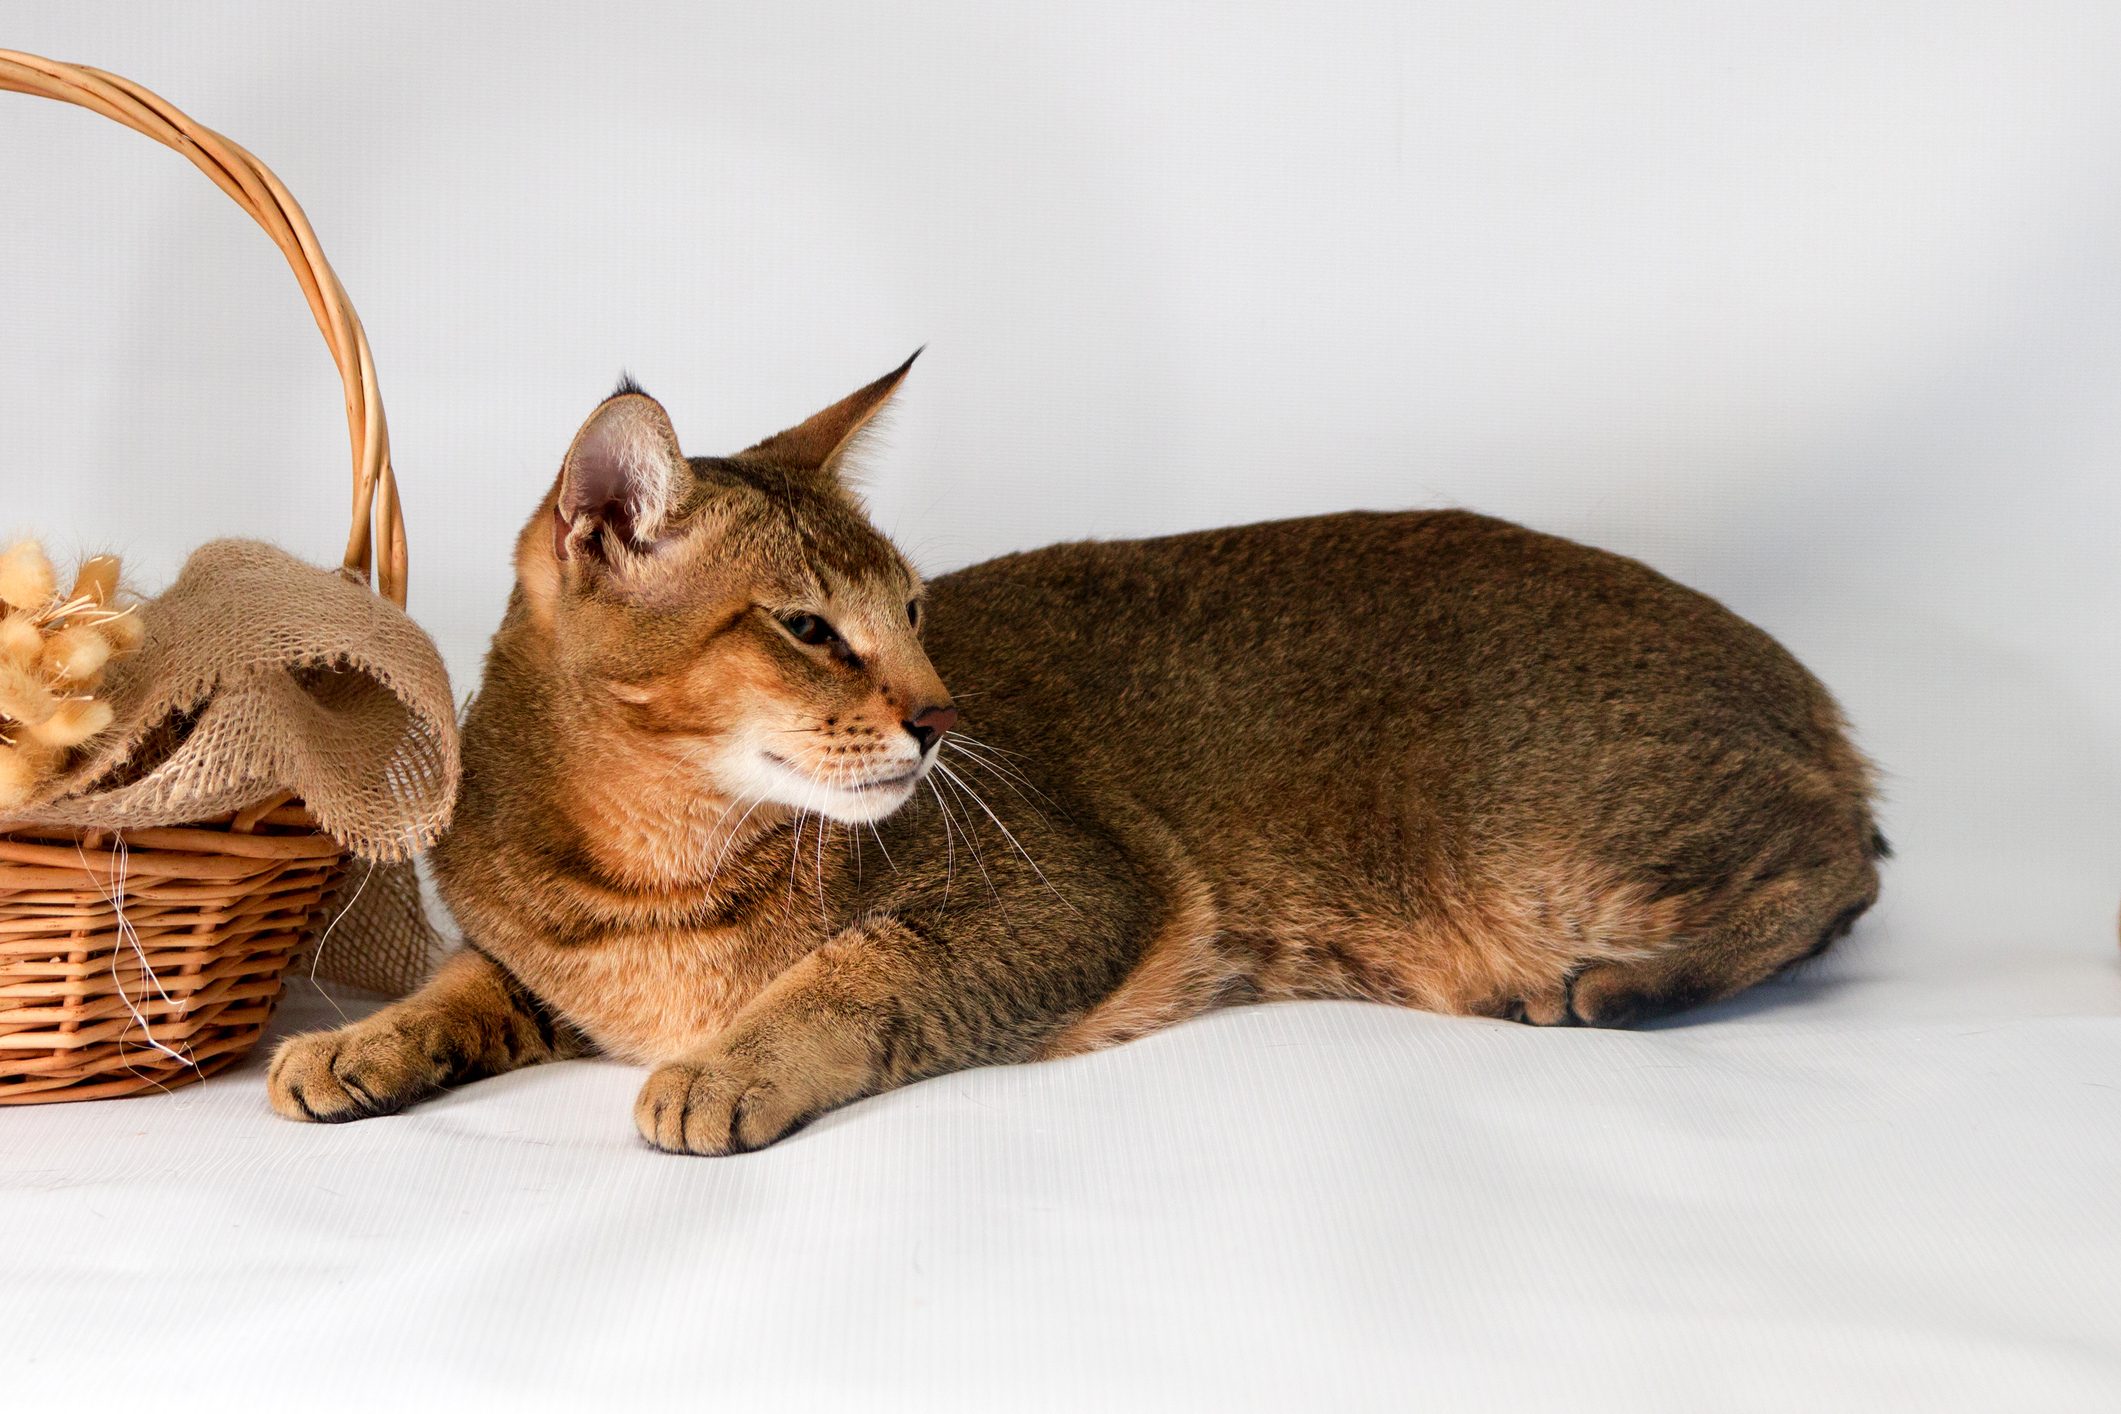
{"x":1816,"y":307}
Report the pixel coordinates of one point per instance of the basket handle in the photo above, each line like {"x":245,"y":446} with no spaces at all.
{"x":375,"y":547}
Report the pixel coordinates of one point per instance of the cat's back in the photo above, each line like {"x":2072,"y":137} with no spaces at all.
{"x":1435,"y":570}
{"x":1430,"y":671}
{"x":1287,"y":626}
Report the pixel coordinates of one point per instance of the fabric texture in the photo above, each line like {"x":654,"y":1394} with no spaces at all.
{"x":261,"y":674}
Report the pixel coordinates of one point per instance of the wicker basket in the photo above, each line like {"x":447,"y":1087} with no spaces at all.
{"x":141,"y":959}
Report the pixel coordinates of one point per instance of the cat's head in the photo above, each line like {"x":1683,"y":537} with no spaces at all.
{"x":739,"y":615}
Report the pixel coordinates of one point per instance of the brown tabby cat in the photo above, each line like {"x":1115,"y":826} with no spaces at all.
{"x":716,"y":819}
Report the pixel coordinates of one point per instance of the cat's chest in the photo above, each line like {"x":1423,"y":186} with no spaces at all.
{"x":651,"y":995}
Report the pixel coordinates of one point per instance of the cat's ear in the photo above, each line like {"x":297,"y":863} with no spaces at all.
{"x":622,"y":479}
{"x":821,"y":444}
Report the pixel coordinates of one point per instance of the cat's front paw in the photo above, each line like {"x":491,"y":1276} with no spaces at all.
{"x":356,"y":1072}
{"x":724,"y":1104}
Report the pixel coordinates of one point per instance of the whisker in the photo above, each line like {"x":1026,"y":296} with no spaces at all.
{"x":989,"y":770}
{"x":988,"y":746}
{"x":729,"y":840}
{"x":824,"y":829}
{"x":980,"y":801}
{"x":1010,"y":776}
{"x":795,"y":854}
{"x":969,"y":746}
{"x":1002,"y":757}
{"x":972,"y":839}
{"x":949,"y":847}
{"x":880,"y":846}
{"x":1007,"y":777}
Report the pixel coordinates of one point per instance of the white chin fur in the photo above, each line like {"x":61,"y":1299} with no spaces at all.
{"x":756,"y":776}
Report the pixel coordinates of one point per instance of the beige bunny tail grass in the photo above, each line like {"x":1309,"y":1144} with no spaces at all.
{"x":21,"y":641}
{"x":19,"y":777}
{"x":72,"y":722}
{"x":124,"y":631}
{"x":23,"y":695}
{"x":26,"y":767}
{"x":96,"y":581}
{"x":76,"y":654}
{"x":26,"y":578}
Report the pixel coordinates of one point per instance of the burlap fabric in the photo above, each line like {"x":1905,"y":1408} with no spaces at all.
{"x":262,"y":674}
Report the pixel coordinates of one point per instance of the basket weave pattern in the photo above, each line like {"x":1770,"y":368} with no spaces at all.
{"x":183,"y":941}
{"x":137,"y":959}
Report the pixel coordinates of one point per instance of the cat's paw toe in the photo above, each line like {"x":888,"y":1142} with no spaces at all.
{"x":330,"y":1076}
{"x":301,"y":1084}
{"x":721,"y":1106}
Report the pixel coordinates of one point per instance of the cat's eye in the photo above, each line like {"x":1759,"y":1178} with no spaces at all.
{"x":810,"y":629}
{"x":913,"y":612}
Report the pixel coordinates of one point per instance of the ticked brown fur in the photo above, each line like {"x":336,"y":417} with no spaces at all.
{"x":1423,"y":758}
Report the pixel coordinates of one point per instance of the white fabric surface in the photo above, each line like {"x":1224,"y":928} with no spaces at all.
{"x":1889,"y":1183}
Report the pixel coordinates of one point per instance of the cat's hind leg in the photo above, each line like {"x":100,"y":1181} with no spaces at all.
{"x":471,"y":1020}
{"x":1774,"y":929}
{"x":1740,"y":936}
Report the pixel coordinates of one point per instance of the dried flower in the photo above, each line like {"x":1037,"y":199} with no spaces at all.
{"x":26,"y":578}
{"x":53,"y":654}
{"x":21,"y":641}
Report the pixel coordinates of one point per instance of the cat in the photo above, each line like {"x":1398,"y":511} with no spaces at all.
{"x":719,"y":817}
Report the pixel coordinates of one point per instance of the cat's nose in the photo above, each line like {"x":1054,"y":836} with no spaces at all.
{"x":929,"y":724}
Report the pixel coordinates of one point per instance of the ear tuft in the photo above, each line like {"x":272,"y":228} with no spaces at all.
{"x":820,"y":444}
{"x":622,"y":479}
{"x":627,"y":385}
